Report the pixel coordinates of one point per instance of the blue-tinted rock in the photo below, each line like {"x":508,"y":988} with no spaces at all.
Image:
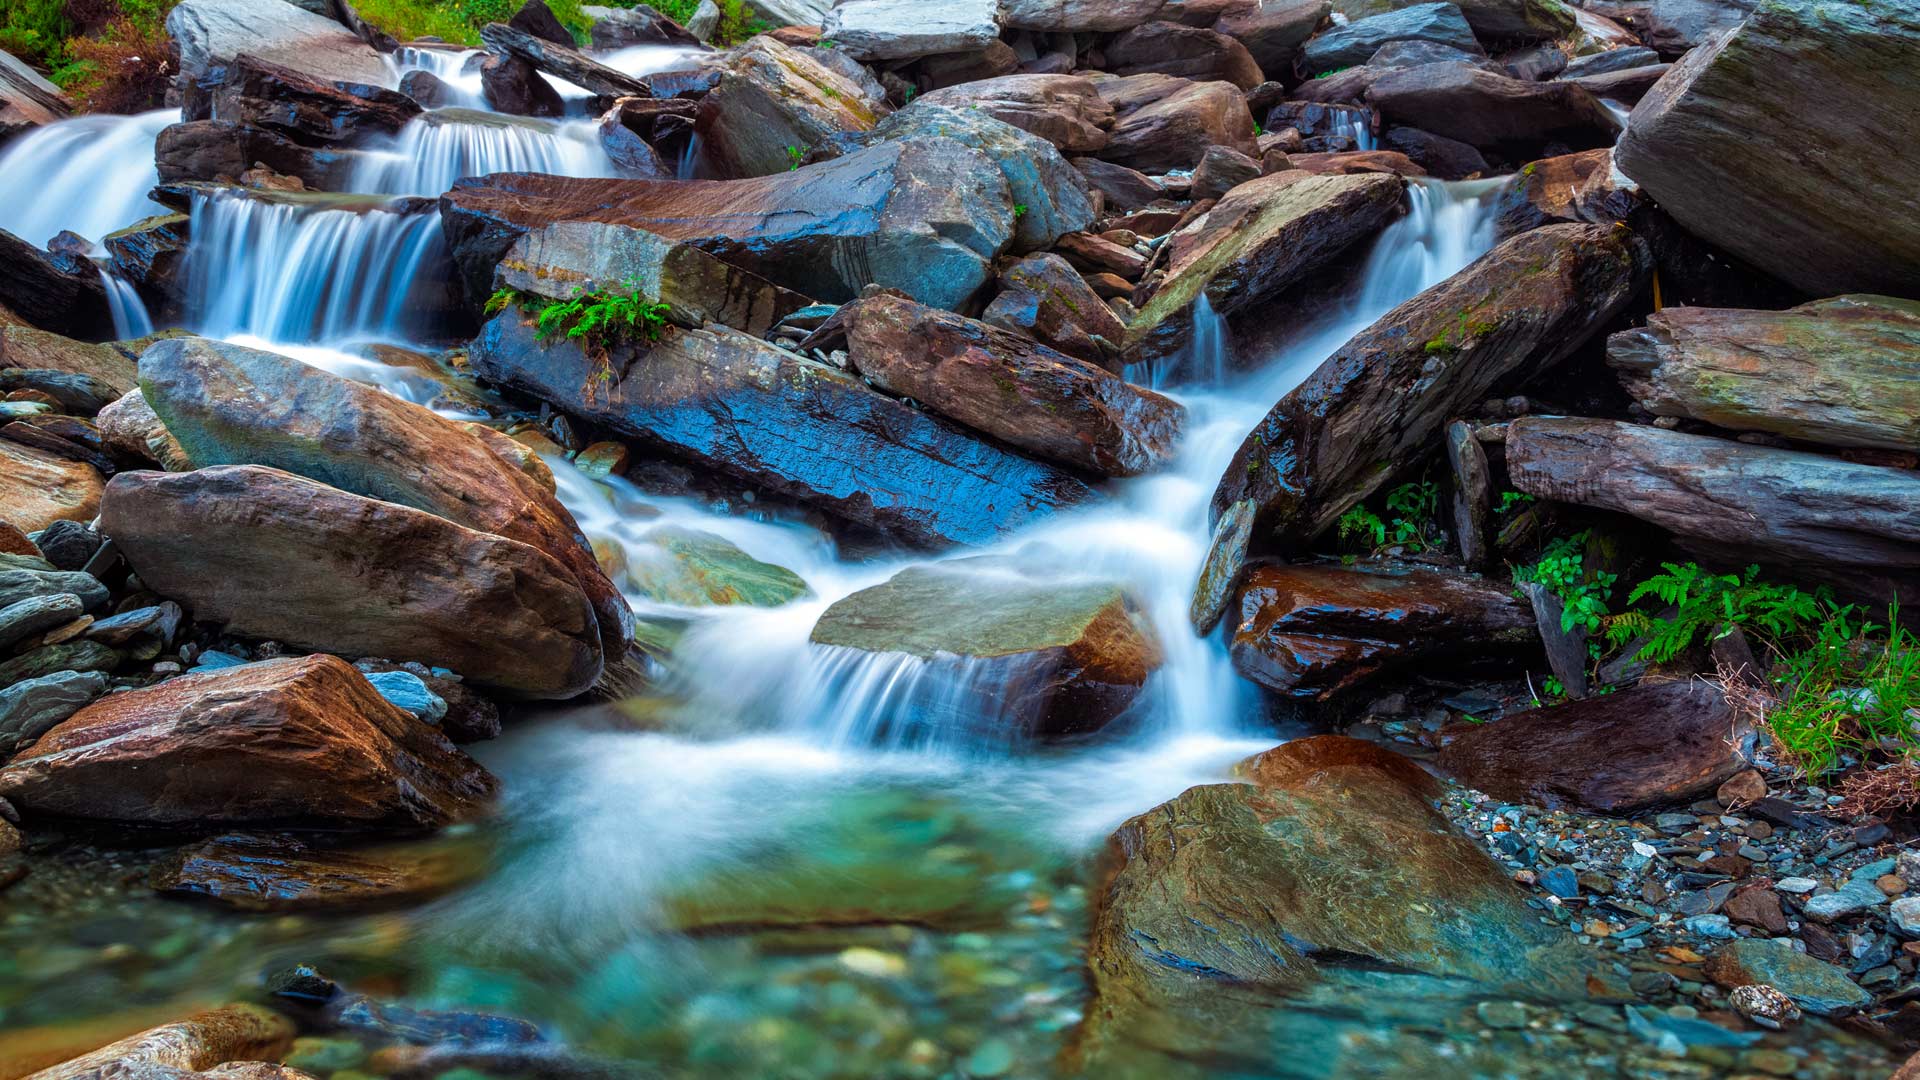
{"x":407,"y":691}
{"x":1819,"y":988}
{"x":1354,"y":43}
{"x":28,"y":709}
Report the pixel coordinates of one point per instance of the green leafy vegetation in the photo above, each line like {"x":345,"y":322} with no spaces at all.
{"x":1707,"y":606}
{"x":108,"y":55}
{"x":1564,"y":570}
{"x":1511,"y":501}
{"x":795,"y":155}
{"x":460,"y":21}
{"x":1410,"y":521}
{"x":596,"y":318}
{"x":1852,"y":689}
{"x":737,"y":21}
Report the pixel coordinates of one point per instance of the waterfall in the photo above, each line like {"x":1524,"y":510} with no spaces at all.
{"x":1356,"y":124}
{"x":130,"y":318}
{"x":90,"y":174}
{"x":305,"y":272}
{"x":447,"y":65}
{"x":440,"y":147}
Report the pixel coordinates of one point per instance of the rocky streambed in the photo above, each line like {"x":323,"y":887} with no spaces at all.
{"x":1271,"y":538}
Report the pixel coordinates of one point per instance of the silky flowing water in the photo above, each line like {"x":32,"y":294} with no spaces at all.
{"x":781,"y":859}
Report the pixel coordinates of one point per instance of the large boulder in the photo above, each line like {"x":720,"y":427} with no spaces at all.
{"x":1079,"y":16}
{"x":217,"y":149}
{"x":791,"y":425}
{"x":1314,"y":632}
{"x":1163,"y":123}
{"x":1042,"y":655}
{"x":771,"y":101}
{"x":1511,"y":21}
{"x":1331,"y":868}
{"x":111,"y":363}
{"x":1487,"y":110}
{"x":1674,"y":26}
{"x":1656,"y":744}
{"x":1843,"y":372}
{"x":1065,"y":110}
{"x":1050,"y":197}
{"x":303,"y":741}
{"x":1709,"y":146}
{"x":1190,"y":52}
{"x":926,"y":216}
{"x":908,"y":29}
{"x":1808,"y":514}
{"x":1381,"y":400}
{"x":56,"y":291}
{"x":569,"y":259}
{"x":1045,"y":298}
{"x":562,"y":62}
{"x":211,"y":33}
{"x":1262,"y":237}
{"x":27,"y":101}
{"x":374,"y":578}
{"x":1548,"y":190}
{"x":231,"y":405}
{"x":1355,"y":43}
{"x":1816,"y":986}
{"x":1272,"y":30}
{"x":38,"y":488}
{"x":1022,"y":393}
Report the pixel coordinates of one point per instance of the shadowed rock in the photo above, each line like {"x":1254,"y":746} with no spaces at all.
{"x":1464,"y":102}
{"x":562,"y":62}
{"x":788,"y":424}
{"x":1656,"y":744}
{"x":262,"y":94}
{"x":1382,"y":399}
{"x":1313,"y":632}
{"x":771,"y":102}
{"x":1346,"y":46}
{"x":56,"y":291}
{"x":1709,"y":145}
{"x":298,"y":740}
{"x":272,"y":873}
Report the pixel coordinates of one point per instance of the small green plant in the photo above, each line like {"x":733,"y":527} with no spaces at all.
{"x":794,"y":156}
{"x":1410,"y":524}
{"x":1019,"y":211}
{"x":1328,"y":74}
{"x":907,"y":97}
{"x":1852,"y":690}
{"x":599,"y":318}
{"x":1563,"y":571}
{"x":1709,"y":606}
{"x":1511,"y":501}
{"x":1258,"y":129}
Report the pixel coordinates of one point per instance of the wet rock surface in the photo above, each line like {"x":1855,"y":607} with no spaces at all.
{"x":297,"y":741}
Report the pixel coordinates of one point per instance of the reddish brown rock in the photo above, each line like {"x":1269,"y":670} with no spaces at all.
{"x":319,"y":568}
{"x":1043,"y":297}
{"x":1189,"y":52}
{"x":1546,"y":191}
{"x":1065,"y":110}
{"x":1757,"y":906}
{"x":1318,"y":631}
{"x":305,"y":741}
{"x":1095,"y":254}
{"x":38,"y":488}
{"x":270,"y":96}
{"x":230,"y":405}
{"x":1464,"y":102}
{"x":1356,"y":162}
{"x":269,"y":873}
{"x":1046,"y":403}
{"x":1164,"y":123}
{"x":1657,"y":744}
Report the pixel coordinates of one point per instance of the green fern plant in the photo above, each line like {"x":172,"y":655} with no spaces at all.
{"x":1583,"y":591}
{"x":1410,"y":522}
{"x":794,"y":155}
{"x":1709,"y":606}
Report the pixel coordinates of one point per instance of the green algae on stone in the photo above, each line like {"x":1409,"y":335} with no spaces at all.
{"x":696,"y":569}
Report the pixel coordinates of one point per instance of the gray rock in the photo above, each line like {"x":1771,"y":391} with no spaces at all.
{"x":1818,"y":987}
{"x":210,"y":33}
{"x":1709,"y":145}
{"x":1354,"y":43}
{"x":1906,"y":915}
{"x":18,"y":585}
{"x":36,"y":614}
{"x":1054,"y":193}
{"x":142,"y":632}
{"x":1710,"y":926}
{"x":1850,"y":899}
{"x":908,"y":29}
{"x":67,"y":544}
{"x":29,"y":709}
{"x":1633,"y":56}
{"x":1797,"y":886}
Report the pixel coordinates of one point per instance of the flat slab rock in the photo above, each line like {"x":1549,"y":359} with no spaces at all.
{"x":210,"y":33}
{"x":1656,"y":744}
{"x":1842,"y":372}
{"x":207,"y":1040}
{"x":1317,"y":631}
{"x":274,"y":873}
{"x":373,"y":578}
{"x":1054,"y":657}
{"x":789,"y":424}
{"x":906,"y":29}
{"x":304,"y":740}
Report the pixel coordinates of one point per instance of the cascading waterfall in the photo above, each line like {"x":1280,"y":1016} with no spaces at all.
{"x":447,"y":65}
{"x":129,"y":312}
{"x":1358,"y":126}
{"x":436,"y":149}
{"x":90,"y":175}
{"x":305,"y":273}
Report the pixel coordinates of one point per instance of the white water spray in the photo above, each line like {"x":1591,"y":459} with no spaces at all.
{"x":436,"y":149}
{"x":90,"y":175}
